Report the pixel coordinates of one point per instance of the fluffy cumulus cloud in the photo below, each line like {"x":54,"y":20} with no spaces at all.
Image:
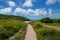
{"x":26,"y":12}
{"x":48,"y":2}
{"x":28,"y":3}
{"x":19,"y":11}
{"x":59,"y":1}
{"x":40,"y":12}
{"x":11,"y":3}
{"x":31,"y":12}
{"x":5,"y":10}
{"x":50,"y":12}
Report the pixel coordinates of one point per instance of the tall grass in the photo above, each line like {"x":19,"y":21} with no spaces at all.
{"x":44,"y":33}
{"x":52,"y":24}
{"x":9,"y":27}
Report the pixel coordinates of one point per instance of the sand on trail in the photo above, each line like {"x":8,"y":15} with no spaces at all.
{"x":30,"y":34}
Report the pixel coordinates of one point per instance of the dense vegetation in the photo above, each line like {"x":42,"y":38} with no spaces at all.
{"x":45,"y":33}
{"x":2,"y":17}
{"x":9,"y":25}
{"x":49,"y":20}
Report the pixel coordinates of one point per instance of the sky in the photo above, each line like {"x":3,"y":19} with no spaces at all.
{"x":32,"y":9}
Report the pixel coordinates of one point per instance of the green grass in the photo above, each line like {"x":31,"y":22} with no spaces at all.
{"x":52,"y":24}
{"x":4,"y":17}
{"x":44,"y":33}
{"x":9,"y":27}
{"x":20,"y":35}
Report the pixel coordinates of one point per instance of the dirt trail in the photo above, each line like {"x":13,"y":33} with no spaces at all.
{"x":30,"y":34}
{"x":53,"y":27}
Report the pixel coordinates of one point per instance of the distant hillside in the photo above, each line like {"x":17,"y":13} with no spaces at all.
{"x":49,"y":20}
{"x":2,"y":16}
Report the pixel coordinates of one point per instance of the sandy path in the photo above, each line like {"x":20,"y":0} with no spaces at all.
{"x":30,"y":34}
{"x":53,"y":27}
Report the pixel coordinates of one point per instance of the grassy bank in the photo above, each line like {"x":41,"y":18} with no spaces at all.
{"x":44,"y":33}
{"x":10,"y":25}
{"x":52,"y":24}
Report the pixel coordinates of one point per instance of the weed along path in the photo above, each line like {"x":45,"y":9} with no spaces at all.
{"x":30,"y":34}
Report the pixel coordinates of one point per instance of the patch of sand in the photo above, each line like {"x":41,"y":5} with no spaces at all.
{"x":30,"y":34}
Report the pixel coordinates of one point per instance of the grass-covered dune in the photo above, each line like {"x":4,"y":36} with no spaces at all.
{"x":9,"y":25}
{"x":49,"y":20}
{"x":2,"y":16}
{"x":45,"y":33}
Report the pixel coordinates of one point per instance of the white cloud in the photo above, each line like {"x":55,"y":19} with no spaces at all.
{"x":28,"y":12}
{"x":50,"y":12}
{"x":49,"y":2}
{"x":19,"y":11}
{"x":31,"y":12}
{"x":11,"y":3}
{"x":5,"y":11}
{"x":28,"y":3}
{"x":40,"y":12}
{"x":59,"y":1}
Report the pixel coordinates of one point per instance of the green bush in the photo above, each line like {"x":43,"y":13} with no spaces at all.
{"x":36,"y":25}
{"x":47,"y":20}
{"x":48,"y":34}
{"x":44,"y":33}
{"x":5,"y":17}
{"x":58,"y":21}
{"x":9,"y":27}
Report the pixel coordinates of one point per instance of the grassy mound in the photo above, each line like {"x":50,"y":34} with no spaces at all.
{"x":9,"y":25}
{"x":4,"y":17}
{"x":44,"y":33}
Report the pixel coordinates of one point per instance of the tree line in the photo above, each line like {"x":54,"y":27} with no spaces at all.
{"x":49,"y":20}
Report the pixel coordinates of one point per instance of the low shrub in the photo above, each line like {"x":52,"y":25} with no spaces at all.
{"x":9,"y":27}
{"x":44,"y":33}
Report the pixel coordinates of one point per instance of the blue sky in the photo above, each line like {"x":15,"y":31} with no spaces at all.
{"x":32,"y":9}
